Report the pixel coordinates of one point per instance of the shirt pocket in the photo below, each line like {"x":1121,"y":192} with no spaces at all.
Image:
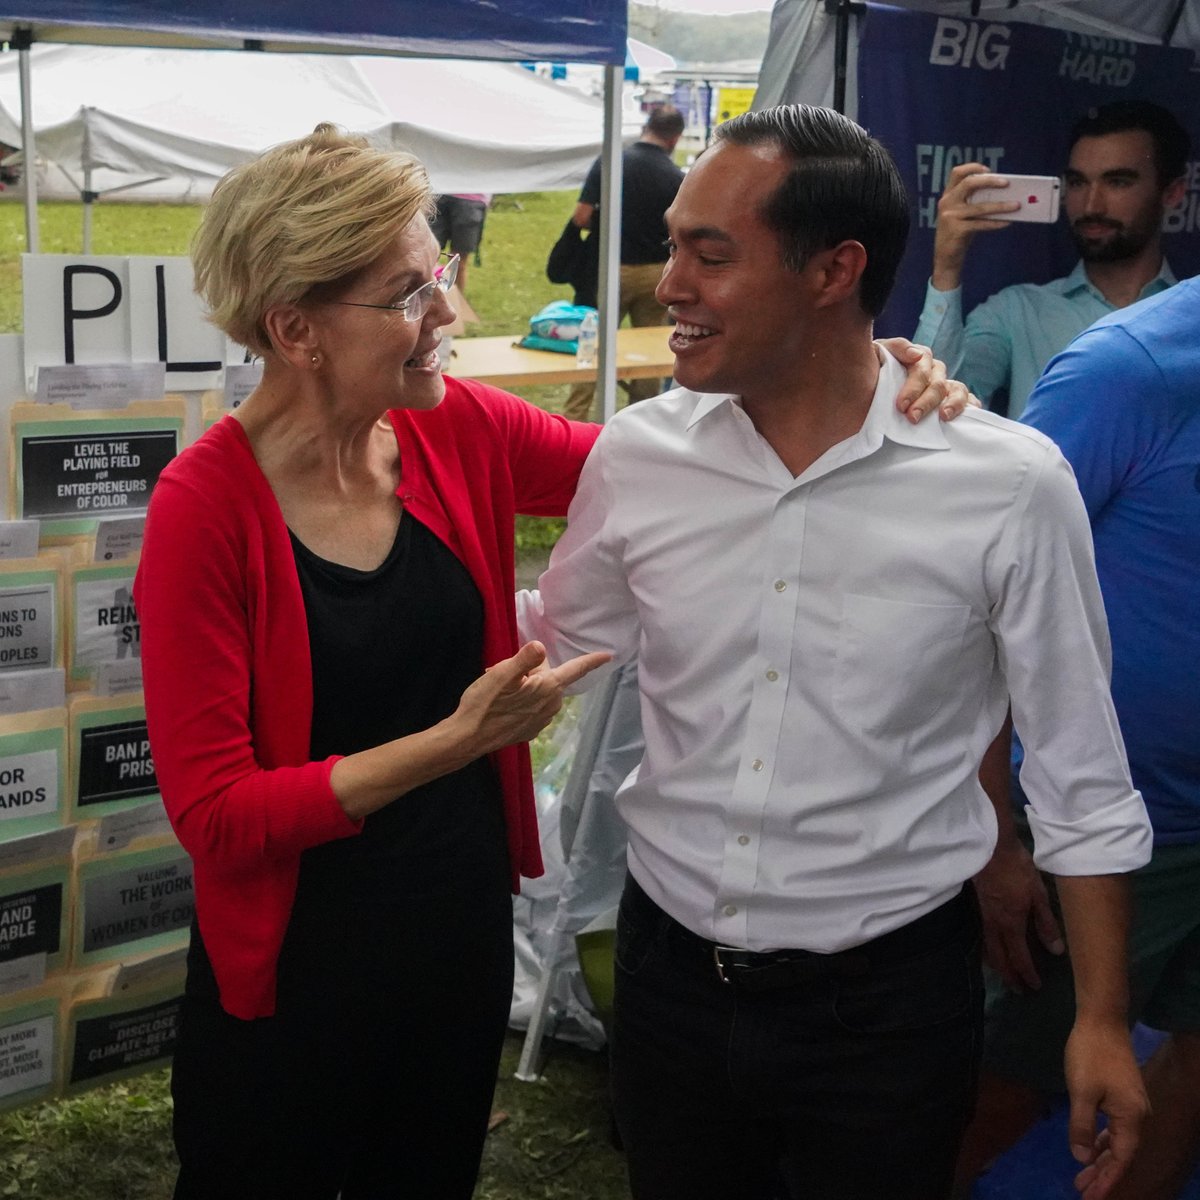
{"x":896,"y":662}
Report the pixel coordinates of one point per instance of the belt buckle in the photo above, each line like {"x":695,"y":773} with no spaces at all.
{"x":720,"y":965}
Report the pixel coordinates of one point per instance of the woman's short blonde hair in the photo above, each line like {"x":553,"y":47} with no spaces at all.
{"x":306,"y":214}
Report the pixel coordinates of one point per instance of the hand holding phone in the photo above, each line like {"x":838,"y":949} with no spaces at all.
{"x":1037,"y":195}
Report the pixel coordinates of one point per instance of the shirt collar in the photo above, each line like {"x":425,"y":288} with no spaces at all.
{"x":885,"y":421}
{"x":1165,"y":276}
{"x":882,"y":420}
{"x":707,"y":402}
{"x":1078,"y":280}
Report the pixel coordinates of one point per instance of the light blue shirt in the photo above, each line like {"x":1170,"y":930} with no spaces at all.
{"x":1007,"y":340}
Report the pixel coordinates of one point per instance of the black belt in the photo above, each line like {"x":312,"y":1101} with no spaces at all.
{"x":755,"y":971}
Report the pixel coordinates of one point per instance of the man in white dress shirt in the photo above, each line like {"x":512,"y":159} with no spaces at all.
{"x":830,"y":607}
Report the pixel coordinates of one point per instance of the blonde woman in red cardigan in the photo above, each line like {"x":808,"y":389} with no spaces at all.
{"x":337,"y":699}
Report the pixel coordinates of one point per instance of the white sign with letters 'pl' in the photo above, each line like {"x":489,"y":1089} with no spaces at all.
{"x":83,"y":309}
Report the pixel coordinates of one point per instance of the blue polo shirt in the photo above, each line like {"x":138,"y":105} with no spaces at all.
{"x":1123,"y":403}
{"x":1007,"y":340}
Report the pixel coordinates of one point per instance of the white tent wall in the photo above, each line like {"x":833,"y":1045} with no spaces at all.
{"x":798,"y":64}
{"x":186,"y":117}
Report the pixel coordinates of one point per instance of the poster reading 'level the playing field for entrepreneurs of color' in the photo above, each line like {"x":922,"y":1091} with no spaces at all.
{"x":70,"y":474}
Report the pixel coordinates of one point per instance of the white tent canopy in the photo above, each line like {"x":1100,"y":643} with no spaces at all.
{"x":490,"y":127}
{"x":108,"y":117}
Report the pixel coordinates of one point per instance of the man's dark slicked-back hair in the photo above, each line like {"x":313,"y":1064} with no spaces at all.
{"x":843,"y":186}
{"x":1171,"y":142}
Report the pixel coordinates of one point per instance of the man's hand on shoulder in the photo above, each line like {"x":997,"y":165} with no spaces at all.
{"x":926,"y":386}
{"x":958,"y":221}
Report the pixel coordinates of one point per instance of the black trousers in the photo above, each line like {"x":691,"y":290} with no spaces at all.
{"x":824,"y":1077}
{"x":375,"y":1077}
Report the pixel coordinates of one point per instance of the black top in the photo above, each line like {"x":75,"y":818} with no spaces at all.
{"x":392,"y":651}
{"x":649,"y":182}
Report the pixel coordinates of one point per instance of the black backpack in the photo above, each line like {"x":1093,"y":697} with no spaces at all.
{"x":575,"y":259}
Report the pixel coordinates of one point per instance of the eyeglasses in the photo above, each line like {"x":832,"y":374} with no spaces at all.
{"x":416,"y":304}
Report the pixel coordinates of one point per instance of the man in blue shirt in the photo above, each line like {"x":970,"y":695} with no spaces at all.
{"x":1123,"y":404}
{"x":1126,"y":169}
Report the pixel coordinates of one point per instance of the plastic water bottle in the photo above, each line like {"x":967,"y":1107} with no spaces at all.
{"x":589,"y":335}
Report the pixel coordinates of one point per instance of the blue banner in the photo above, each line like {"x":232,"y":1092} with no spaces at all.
{"x":940,"y":91}
{"x":564,"y":30}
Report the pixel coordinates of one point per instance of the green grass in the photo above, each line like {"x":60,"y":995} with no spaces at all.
{"x":507,"y":287}
{"x":114,"y":1143}
{"x":116,"y":229}
{"x":108,"y":1144}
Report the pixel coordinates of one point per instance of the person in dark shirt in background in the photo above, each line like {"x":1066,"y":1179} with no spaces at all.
{"x":650,"y":180}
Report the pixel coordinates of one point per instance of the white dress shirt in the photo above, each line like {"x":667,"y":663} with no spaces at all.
{"x":824,"y":658}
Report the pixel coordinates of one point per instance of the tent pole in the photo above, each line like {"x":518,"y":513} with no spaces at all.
{"x":610,"y":239}
{"x":88,"y":197}
{"x":22,"y":40}
{"x":841,"y":53}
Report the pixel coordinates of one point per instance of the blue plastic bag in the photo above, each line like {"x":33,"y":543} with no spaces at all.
{"x":556,"y":327}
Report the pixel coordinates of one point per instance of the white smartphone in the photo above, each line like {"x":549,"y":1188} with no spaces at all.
{"x":1037,"y":195}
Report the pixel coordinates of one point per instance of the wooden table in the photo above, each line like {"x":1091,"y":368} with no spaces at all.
{"x":641,"y":354}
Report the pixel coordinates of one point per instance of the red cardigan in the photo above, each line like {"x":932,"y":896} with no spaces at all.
{"x":226,"y":661}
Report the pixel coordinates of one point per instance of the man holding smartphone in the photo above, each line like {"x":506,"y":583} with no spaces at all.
{"x":1126,"y":169}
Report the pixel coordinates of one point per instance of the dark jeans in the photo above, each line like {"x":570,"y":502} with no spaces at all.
{"x":833,"y":1077}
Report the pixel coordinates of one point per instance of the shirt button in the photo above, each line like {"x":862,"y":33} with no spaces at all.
{"x":772,"y":675}
{"x":780,"y":585}
{"x":743,"y":840}
{"x":757,"y":765}
{"x":730,"y":910}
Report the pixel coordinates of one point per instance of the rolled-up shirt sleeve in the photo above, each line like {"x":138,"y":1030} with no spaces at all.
{"x":1049,"y":621}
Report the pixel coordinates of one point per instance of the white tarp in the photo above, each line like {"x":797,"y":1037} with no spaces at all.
{"x":134,"y":114}
{"x":490,"y":127}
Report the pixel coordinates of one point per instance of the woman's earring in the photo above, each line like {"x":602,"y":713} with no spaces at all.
{"x":316,"y":360}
